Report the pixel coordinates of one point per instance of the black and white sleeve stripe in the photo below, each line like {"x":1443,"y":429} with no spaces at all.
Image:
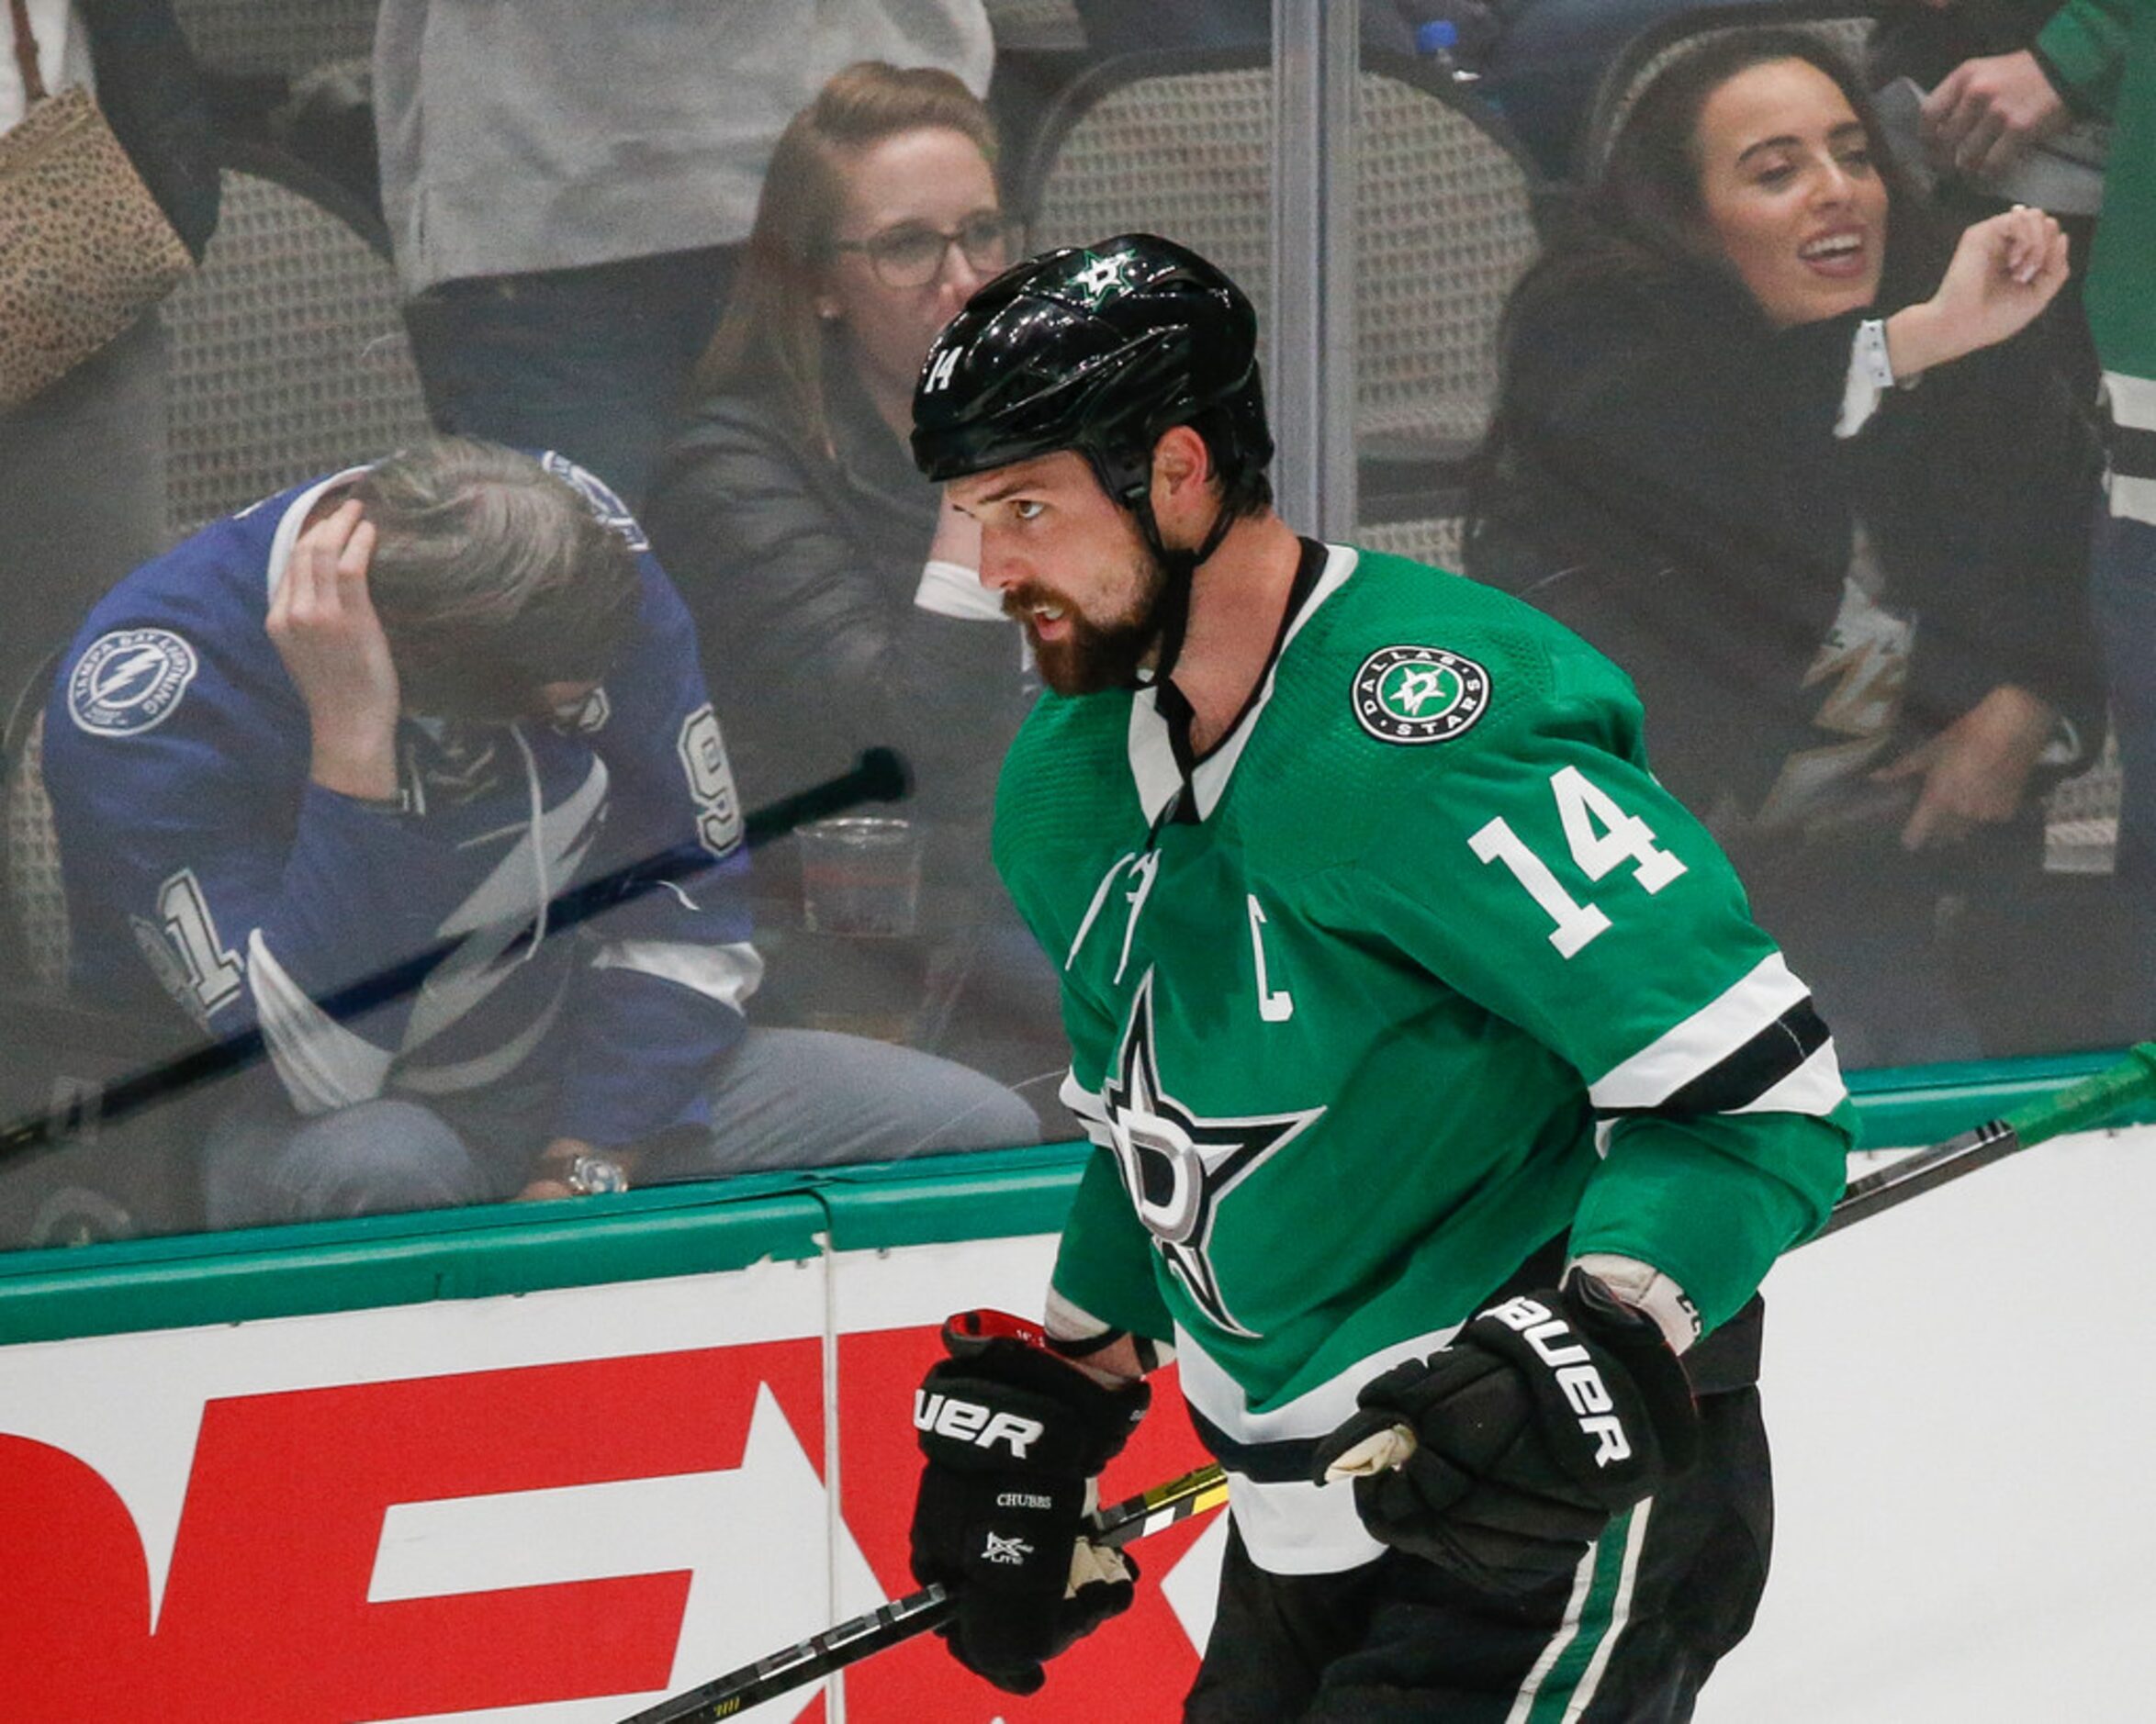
{"x":1758,"y":1047}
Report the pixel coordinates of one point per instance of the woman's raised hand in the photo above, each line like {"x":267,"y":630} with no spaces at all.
{"x":2005,"y":271}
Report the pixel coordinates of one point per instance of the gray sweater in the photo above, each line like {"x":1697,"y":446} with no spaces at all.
{"x":549,"y":134}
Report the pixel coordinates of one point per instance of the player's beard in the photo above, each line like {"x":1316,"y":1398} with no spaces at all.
{"x":1095,"y":656}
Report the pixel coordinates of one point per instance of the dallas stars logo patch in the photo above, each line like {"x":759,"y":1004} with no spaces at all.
{"x":1101,"y":279}
{"x":1178,"y":1165}
{"x":1419,"y":694}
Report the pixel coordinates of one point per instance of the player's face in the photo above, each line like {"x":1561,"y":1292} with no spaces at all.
{"x":894,"y":282}
{"x":1071,"y":566}
{"x":1791,"y":197}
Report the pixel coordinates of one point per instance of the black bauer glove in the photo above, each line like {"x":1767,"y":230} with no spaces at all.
{"x":1548,"y":1414}
{"x":1015,"y":1435}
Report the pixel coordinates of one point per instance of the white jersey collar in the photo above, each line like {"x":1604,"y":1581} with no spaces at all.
{"x":1152,"y":756}
{"x":295,"y":519}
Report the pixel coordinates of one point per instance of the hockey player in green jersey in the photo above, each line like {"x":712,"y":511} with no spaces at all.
{"x":1448,"y":1105}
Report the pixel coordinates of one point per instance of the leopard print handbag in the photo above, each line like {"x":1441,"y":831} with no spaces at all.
{"x":84,"y":249}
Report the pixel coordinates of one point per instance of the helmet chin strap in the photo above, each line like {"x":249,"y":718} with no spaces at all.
{"x":1172,"y":614}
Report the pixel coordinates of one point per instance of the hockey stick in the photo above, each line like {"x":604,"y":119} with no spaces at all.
{"x":879,"y":776}
{"x":887,"y":1625}
{"x":2077,"y":1107}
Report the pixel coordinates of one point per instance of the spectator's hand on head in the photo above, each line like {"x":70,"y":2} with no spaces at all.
{"x":2005,"y":271}
{"x":1986,"y":113}
{"x":1975,"y":771}
{"x":324,"y":627}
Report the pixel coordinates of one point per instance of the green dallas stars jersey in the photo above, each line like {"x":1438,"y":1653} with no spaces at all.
{"x":1344,"y":1016}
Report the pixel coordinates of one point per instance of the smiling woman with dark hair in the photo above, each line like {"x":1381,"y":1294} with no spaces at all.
{"x":1797,"y":462}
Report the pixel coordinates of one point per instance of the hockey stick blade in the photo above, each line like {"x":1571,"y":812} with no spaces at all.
{"x":886,"y":1626}
{"x":880,"y":775}
{"x":2077,"y":1107}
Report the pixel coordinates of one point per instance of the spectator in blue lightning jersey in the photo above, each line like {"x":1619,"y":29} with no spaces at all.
{"x":387,"y":719}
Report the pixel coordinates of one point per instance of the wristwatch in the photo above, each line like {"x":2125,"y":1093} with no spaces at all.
{"x":589,"y":1175}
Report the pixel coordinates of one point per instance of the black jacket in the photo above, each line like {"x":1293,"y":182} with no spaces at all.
{"x":152,"y":91}
{"x":1664,"y":477}
{"x":800,"y":566}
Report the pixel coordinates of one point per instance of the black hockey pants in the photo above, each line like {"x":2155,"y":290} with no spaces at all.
{"x":1630,"y":1638}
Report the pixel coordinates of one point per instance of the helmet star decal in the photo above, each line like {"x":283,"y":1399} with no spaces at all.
{"x":1177,"y":1164}
{"x":1103,"y":278}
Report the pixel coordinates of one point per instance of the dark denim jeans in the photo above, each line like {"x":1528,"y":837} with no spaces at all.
{"x":780,"y":1099}
{"x":593,"y":362}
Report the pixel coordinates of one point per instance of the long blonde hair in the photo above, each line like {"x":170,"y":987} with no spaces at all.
{"x":770,"y":339}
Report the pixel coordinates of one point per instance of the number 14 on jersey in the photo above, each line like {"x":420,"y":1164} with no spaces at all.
{"x":1601,"y":835}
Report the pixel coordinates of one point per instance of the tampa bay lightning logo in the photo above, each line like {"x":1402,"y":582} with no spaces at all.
{"x":598,"y":497}
{"x":130,"y":680}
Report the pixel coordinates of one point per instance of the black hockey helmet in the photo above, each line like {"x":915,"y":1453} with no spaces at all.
{"x":1098,"y":348}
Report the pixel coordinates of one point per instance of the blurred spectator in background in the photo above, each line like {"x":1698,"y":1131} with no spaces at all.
{"x":569,"y":185}
{"x":1539,"y":61}
{"x":838,"y":603}
{"x":1927,"y":39}
{"x":81,"y":465}
{"x":1918,"y":55}
{"x":1854,"y":609}
{"x":2098,"y":57}
{"x":1993,"y":93}
{"x":1546,"y":63}
{"x":388,"y":719}
{"x":1118,"y":26}
{"x":1114,"y":27}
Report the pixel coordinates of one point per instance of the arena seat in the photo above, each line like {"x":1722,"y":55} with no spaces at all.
{"x":289,"y":39}
{"x":1181,"y":143}
{"x":288,"y":352}
{"x":58,"y":1054}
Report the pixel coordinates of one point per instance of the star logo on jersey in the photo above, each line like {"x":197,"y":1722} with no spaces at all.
{"x":1419,"y":694}
{"x":1178,"y":1165}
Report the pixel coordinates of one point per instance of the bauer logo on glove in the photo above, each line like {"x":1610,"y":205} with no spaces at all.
{"x":1015,"y":1435}
{"x":1500,"y":1457}
{"x":968,"y":1421}
{"x":1577,"y":1379}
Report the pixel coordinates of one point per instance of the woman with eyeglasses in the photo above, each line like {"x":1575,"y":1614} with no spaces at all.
{"x":837,"y":605}
{"x":1800,"y":463}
